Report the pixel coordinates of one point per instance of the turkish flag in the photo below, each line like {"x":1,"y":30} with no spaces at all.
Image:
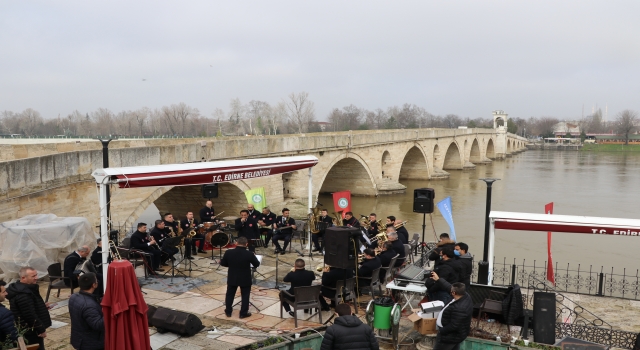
{"x":548,"y":209}
{"x":342,"y":201}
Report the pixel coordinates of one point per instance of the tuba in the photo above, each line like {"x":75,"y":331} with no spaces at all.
{"x":364,"y":222}
{"x":337,"y":219}
{"x":314,"y":219}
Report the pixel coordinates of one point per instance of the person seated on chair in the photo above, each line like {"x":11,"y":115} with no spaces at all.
{"x":247,"y":228}
{"x":330,"y":277}
{"x":403,"y":234}
{"x":445,"y":270}
{"x":71,"y":262}
{"x":397,"y":246}
{"x":266,"y":220}
{"x":188,"y":224}
{"x":299,"y":277}
{"x":370,"y":263}
{"x":328,"y":221}
{"x":160,"y":235}
{"x":284,"y":226}
{"x":350,"y":221}
{"x":385,"y":257}
{"x":140,"y":241}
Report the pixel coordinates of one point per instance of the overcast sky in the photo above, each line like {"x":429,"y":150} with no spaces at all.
{"x":529,"y":58}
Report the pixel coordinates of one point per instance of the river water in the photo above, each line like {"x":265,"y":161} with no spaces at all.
{"x":579,"y":183}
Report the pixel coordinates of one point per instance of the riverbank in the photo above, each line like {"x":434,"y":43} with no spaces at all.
{"x":590,"y":147}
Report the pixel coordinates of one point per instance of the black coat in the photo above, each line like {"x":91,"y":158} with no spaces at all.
{"x":353,"y":222}
{"x":327,"y":220}
{"x":185,"y":226}
{"x":286,"y":224}
{"x":403,"y":235}
{"x":466,"y":268}
{"x":456,"y":319}
{"x":373,"y":229}
{"x":159,"y":235}
{"x":512,"y":307}
{"x":28,"y":306}
{"x":385,"y":259}
{"x":87,"y":322}
{"x":268,"y":219}
{"x":348,"y":332}
{"x":446,"y":272}
{"x":248,"y":229}
{"x":330,"y":278}
{"x":239,"y":261}
{"x":139,"y":241}
{"x":398,"y":247}
{"x":299,"y":278}
{"x":367,"y":267}
{"x":70,"y":262}
{"x":7,"y":328}
{"x":206,"y":214}
{"x":254,"y":214}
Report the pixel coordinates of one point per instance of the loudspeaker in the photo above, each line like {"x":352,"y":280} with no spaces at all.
{"x":339,"y":250}
{"x":210,"y":191}
{"x":423,"y":200}
{"x":544,"y":317}
{"x":182,"y":323}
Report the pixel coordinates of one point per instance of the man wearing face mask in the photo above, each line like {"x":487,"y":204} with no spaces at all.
{"x":447,"y":270}
{"x":465,"y":261}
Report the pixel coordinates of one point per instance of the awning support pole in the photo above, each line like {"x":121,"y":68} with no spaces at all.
{"x":310,"y":190}
{"x":104,"y":234}
{"x":492,"y":236}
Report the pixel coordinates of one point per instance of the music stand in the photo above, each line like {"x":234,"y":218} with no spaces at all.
{"x":174,"y":242}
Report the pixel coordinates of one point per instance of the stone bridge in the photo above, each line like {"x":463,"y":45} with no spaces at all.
{"x":56,"y":177}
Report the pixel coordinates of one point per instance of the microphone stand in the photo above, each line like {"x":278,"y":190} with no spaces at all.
{"x":277,"y":263}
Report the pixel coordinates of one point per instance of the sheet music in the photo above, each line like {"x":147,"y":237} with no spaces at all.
{"x":362,"y":248}
{"x":366,"y":238}
{"x":259,"y":260}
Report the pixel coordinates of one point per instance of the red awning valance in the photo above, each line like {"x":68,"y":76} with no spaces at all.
{"x":565,"y":223}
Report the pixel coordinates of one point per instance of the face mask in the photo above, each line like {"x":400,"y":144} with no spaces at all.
{"x":457,"y":253}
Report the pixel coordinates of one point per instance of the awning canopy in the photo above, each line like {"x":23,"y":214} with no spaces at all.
{"x":564,"y":223}
{"x":201,"y":173}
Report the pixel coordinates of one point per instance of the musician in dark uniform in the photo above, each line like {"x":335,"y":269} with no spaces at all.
{"x":96,"y":255}
{"x":373,"y":225}
{"x":186,"y":225}
{"x":370,"y":263}
{"x":396,"y":245}
{"x":385,"y":257}
{"x":329,"y":279}
{"x":285,"y":226}
{"x":253,"y":213}
{"x":267,"y":219}
{"x":247,"y":228}
{"x":326,"y":219}
{"x":298,"y":278}
{"x":239,"y":262}
{"x":71,"y":262}
{"x":140,"y":241}
{"x":350,"y":221}
{"x":161,"y":236}
{"x":208,"y":214}
{"x":403,"y":234}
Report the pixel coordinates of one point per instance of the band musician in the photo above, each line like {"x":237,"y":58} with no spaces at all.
{"x":253,"y":213}
{"x":373,"y":225}
{"x":161,"y":236}
{"x":299,"y":277}
{"x":396,"y":245}
{"x":284,"y":226}
{"x":350,"y":221}
{"x":330,"y":276}
{"x":385,"y":257}
{"x":324,"y":218}
{"x":247,"y":228}
{"x":267,"y":219}
{"x":71,"y":261}
{"x":239,"y":262}
{"x":403,"y":234}
{"x":172,"y":226}
{"x":208,"y":214}
{"x":140,"y":241}
{"x":370,"y":263}
{"x":187,"y":224}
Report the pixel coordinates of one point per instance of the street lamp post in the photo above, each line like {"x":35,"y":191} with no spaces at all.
{"x":483,"y":266}
{"x":105,"y":164}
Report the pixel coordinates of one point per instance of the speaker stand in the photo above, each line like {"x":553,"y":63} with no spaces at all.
{"x":424,"y":227}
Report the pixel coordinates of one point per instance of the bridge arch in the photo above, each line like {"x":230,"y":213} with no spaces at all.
{"x":349,"y":172}
{"x":414,"y":165}
{"x":452,"y":158}
{"x":386,"y":161}
{"x":474,"y":153}
{"x":491,"y":151}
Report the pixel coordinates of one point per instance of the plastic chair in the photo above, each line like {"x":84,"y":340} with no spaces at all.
{"x":373,"y":281}
{"x":303,"y":298}
{"x":389,"y":270}
{"x":351,"y":288}
{"x":492,"y":305}
{"x":56,"y":280}
{"x":408,"y":254}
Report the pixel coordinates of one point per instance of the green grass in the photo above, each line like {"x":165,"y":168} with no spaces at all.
{"x":590,"y":147}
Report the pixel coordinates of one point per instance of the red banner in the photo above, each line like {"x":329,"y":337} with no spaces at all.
{"x":548,"y":209}
{"x":342,"y":202}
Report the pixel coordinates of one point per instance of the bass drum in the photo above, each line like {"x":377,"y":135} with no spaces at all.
{"x":202,"y":229}
{"x":219,"y":240}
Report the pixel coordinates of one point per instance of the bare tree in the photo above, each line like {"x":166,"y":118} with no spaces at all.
{"x":29,"y":120}
{"x":544,"y":126}
{"x":177,"y":116}
{"x":278,"y":114}
{"x":625,"y":123}
{"x":300,"y":111}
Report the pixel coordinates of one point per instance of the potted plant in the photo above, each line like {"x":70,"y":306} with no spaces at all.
{"x":7,"y":344}
{"x":271,"y":343}
{"x":307,"y":338}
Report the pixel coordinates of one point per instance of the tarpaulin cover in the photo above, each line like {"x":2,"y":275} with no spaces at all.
{"x":41,"y":240}
{"x":124,"y":309}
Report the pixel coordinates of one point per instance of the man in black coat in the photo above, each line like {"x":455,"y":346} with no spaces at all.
{"x":253,"y":213}
{"x":161,"y":236}
{"x":328,"y":222}
{"x":372,"y":231}
{"x":385,"y":257}
{"x":298,"y":278}
{"x":71,"y":262}
{"x":87,"y":322}
{"x":28,"y":306}
{"x":447,"y":270}
{"x":370,"y":263}
{"x":7,"y":327}
{"x":465,"y":261}
{"x":285,"y":226}
{"x":187,"y":224}
{"x":329,"y":279}
{"x":96,"y":255}
{"x":348,"y":332}
{"x":239,"y":261}
{"x":139,"y":241}
{"x":207,"y":213}
{"x":350,"y":220}
{"x":454,"y":321}
{"x":396,"y":245}
{"x":247,"y":228}
{"x":267,"y":219}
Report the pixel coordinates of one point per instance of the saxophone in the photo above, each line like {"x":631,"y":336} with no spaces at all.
{"x":192,"y":230}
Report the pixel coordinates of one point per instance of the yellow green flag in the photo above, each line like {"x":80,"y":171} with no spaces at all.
{"x":256,"y":197}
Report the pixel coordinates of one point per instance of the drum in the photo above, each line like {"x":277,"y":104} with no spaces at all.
{"x":230,"y":218}
{"x":219,"y":239}
{"x":202,"y":229}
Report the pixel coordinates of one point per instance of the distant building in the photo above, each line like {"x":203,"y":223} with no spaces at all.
{"x":564,"y":128}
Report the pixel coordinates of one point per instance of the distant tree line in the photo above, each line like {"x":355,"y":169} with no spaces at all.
{"x":295,"y":114}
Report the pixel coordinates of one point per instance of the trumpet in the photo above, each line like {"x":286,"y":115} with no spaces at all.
{"x":398,"y":225}
{"x":322,"y":268}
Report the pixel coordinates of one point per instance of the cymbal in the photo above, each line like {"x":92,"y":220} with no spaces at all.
{"x":230,"y":218}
